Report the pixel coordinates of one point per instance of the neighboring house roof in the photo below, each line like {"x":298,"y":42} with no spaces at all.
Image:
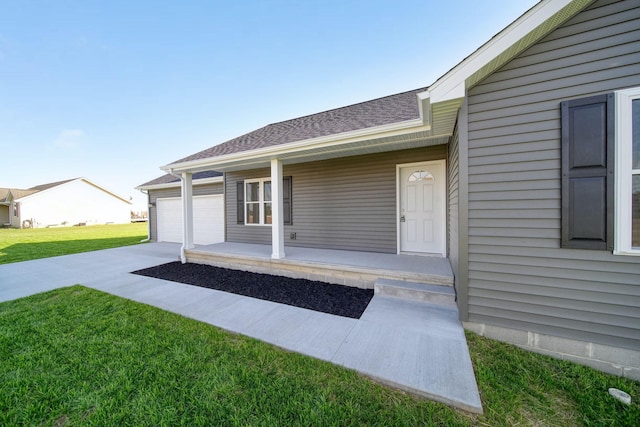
{"x":7,"y":194}
{"x":43,"y":187}
{"x":406,"y":120}
{"x":18,"y":195}
{"x":169,"y":181}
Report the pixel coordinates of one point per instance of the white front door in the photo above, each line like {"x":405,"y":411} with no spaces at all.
{"x":422,"y":224}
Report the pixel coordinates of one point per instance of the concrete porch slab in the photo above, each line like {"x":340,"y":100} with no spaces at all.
{"x":351,"y":268}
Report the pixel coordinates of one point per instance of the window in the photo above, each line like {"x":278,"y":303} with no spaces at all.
{"x":257,"y":201}
{"x":254,"y":202}
{"x":421,"y":176}
{"x":627,"y":230}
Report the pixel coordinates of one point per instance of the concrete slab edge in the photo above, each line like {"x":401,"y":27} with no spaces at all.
{"x":474,"y":408}
{"x":362,"y":277}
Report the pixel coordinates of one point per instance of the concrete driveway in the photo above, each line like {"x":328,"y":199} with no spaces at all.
{"x":91,"y":269}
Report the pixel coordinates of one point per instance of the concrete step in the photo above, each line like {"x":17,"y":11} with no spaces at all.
{"x":423,"y":292}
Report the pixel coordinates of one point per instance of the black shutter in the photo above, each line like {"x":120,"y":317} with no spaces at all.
{"x":587,"y":172}
{"x":286,"y":198}
{"x":240,"y":202}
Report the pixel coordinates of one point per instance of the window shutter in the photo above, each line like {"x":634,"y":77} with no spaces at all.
{"x":587,"y":172}
{"x":240,"y":202}
{"x":286,"y":197}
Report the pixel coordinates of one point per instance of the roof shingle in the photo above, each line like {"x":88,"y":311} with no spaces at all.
{"x":168,"y":178}
{"x":378,"y":112}
{"x":43,"y":187}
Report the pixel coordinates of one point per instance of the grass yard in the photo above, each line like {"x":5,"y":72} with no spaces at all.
{"x":76,"y":356}
{"x":25,"y":244}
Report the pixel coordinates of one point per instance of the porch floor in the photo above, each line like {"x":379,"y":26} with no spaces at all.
{"x":352,"y":268}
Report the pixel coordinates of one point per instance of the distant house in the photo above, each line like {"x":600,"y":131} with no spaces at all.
{"x":5,"y":218}
{"x":165,"y":208}
{"x":64,"y":203}
{"x":520,"y":165}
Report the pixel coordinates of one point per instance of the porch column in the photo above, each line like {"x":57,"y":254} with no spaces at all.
{"x":187,"y":215}
{"x":277,"y":210}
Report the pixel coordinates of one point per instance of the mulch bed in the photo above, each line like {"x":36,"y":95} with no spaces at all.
{"x":319,"y":296}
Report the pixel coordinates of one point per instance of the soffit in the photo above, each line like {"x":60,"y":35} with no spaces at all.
{"x":322,"y":152}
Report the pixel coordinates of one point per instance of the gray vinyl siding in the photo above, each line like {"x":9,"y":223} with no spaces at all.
{"x":347,"y":203}
{"x":247,"y":233}
{"x":453,"y":206}
{"x":519,"y":277}
{"x":154,"y":195}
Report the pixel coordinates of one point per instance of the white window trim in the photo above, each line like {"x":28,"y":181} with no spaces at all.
{"x":261,"y":201}
{"x":624,"y":171}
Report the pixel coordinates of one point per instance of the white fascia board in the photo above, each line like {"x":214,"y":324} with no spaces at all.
{"x":307,"y":144}
{"x":452,"y":84}
{"x":176,"y":184}
{"x":99,"y":187}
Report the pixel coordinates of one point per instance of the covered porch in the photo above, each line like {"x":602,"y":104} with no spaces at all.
{"x":351,"y":268}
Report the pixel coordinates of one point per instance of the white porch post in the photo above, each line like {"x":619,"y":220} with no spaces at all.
{"x":187,"y":215}
{"x":277,"y":210}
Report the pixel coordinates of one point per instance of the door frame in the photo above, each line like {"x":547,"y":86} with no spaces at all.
{"x":443,"y":208}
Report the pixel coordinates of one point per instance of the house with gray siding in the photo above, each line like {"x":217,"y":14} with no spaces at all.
{"x":520,"y":167}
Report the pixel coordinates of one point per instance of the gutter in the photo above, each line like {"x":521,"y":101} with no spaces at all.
{"x":148,"y":239}
{"x":174,"y":184}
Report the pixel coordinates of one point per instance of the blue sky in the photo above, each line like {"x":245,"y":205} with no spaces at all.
{"x":112,"y":90}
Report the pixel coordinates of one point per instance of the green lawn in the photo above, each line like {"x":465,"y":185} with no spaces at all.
{"x":25,"y":244}
{"x":76,"y":356}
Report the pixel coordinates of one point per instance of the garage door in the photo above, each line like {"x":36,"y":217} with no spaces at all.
{"x":208,"y":219}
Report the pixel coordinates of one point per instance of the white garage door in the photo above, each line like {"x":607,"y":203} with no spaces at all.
{"x":208,"y":220}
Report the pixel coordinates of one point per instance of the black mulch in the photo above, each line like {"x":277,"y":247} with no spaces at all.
{"x":319,"y":296}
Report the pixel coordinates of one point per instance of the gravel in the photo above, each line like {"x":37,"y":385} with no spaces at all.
{"x":340,"y":300}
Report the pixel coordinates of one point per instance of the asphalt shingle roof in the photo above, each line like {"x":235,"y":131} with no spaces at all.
{"x":168,"y":178}
{"x":382,"y":111}
{"x":15,"y":192}
{"x":18,"y":193}
{"x":50,"y":185}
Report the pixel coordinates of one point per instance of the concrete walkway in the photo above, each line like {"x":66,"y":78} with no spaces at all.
{"x":413,"y":346}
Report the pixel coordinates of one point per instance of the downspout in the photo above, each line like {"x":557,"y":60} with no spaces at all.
{"x":183,"y":254}
{"x":148,"y":217}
